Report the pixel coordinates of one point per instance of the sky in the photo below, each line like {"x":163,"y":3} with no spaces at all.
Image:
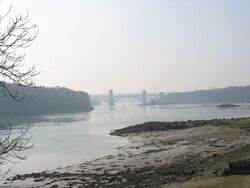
{"x":131,"y":45}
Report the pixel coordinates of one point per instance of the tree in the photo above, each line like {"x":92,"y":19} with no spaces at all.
{"x":15,"y":36}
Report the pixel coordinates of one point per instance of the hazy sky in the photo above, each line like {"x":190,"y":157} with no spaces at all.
{"x":131,"y":45}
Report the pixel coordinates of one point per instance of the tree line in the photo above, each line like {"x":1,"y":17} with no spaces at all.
{"x":224,"y":95}
{"x":43,"y":100}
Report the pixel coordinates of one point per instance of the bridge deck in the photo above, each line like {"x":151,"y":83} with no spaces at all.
{"x":123,"y":95}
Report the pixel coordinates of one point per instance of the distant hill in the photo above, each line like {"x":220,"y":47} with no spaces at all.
{"x":44,"y":100}
{"x":224,"y":95}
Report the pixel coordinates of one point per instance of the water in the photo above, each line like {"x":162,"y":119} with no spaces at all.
{"x":67,"y":139}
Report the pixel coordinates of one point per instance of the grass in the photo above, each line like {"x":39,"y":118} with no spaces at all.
{"x":222,"y":162}
{"x":208,"y":179}
{"x":217,"y":182}
{"x":241,"y":123}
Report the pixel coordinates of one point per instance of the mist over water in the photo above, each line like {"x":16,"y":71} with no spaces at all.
{"x":68,"y":139}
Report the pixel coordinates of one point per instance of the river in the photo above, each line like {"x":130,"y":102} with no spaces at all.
{"x":67,"y":139}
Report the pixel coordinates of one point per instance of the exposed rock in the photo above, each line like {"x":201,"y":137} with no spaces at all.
{"x":227,"y":105}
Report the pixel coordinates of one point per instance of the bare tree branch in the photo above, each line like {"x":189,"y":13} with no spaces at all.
{"x":10,"y":147}
{"x":16,"y":35}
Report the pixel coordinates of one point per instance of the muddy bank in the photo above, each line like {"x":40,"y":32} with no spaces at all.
{"x":135,"y":177}
{"x":158,"y":154}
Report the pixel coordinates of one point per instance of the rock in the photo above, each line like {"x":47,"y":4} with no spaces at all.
{"x":227,"y":105}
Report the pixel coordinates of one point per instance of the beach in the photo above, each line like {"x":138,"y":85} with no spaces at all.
{"x":158,"y":154}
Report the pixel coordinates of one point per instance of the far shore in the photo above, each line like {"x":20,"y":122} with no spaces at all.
{"x":160,"y":154}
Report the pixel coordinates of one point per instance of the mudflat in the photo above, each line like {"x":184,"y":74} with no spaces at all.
{"x":159,"y":153}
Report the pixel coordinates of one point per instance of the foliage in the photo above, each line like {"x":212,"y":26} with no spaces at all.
{"x":225,"y":95}
{"x":44,"y":100}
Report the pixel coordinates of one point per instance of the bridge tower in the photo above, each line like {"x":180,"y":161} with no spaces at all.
{"x":111,"y":97}
{"x":144,"y":97}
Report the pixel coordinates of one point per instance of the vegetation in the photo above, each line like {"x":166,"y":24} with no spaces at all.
{"x":42,"y":100}
{"x":242,"y":123}
{"x":211,"y":178}
{"x":218,"y":182}
{"x":225,"y":95}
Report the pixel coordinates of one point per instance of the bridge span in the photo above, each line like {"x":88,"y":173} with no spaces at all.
{"x":111,"y":98}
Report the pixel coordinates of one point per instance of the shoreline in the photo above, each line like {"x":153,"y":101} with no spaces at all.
{"x":158,"y":153}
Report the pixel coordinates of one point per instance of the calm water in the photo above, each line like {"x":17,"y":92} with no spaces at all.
{"x":61,"y":140}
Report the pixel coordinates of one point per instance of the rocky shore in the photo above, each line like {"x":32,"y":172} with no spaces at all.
{"x":159,"y":153}
{"x":165,"y":126}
